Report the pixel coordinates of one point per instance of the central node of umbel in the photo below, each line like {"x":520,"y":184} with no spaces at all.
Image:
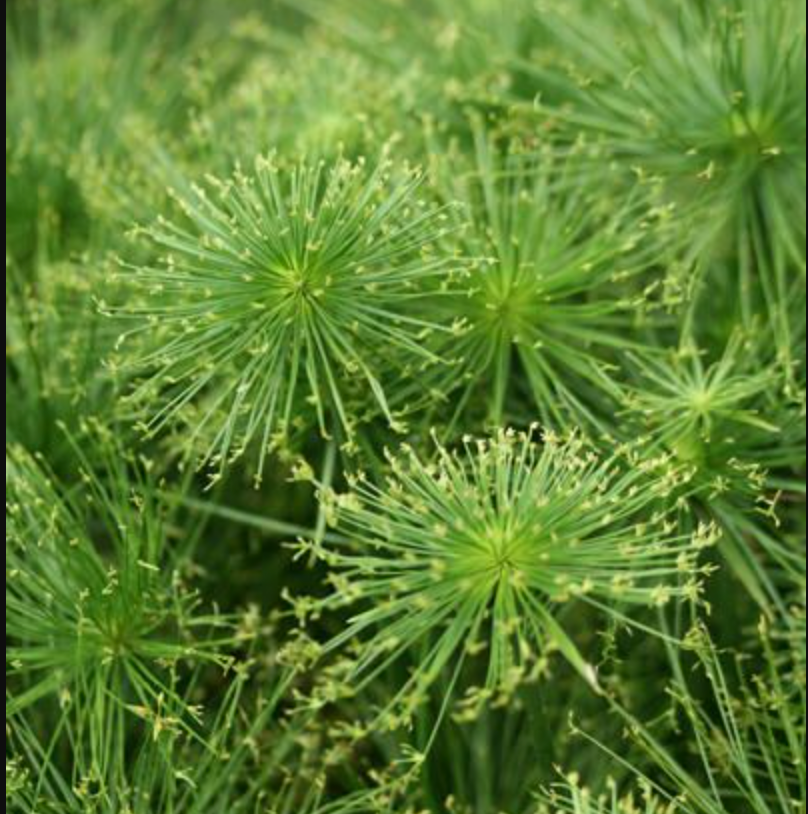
{"x":502,"y":550}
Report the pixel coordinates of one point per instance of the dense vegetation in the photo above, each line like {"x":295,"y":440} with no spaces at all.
{"x":405,"y":406}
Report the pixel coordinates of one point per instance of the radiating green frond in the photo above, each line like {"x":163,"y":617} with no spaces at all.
{"x":555,"y":283}
{"x":102,"y":630}
{"x":711,"y":98}
{"x":285,"y":293}
{"x":478,"y":551}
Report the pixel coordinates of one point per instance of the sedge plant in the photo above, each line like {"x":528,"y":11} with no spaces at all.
{"x":287,"y":292}
{"x":748,"y":736}
{"x":479,"y":550}
{"x":727,"y":135}
{"x":554,"y":281}
{"x":103,"y":632}
{"x":237,"y":765}
{"x":719,"y":418}
{"x":405,"y":407}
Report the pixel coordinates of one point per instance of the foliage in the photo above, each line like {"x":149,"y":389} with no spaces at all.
{"x":474,"y":552}
{"x":728,"y":136}
{"x":405,"y":407}
{"x":285,"y":283}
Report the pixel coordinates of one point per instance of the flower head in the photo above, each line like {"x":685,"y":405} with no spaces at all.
{"x":720,"y":417}
{"x":554,"y":282}
{"x":724,"y":421}
{"x":285,"y":292}
{"x":711,"y":98}
{"x":100,"y":625}
{"x":479,"y":549}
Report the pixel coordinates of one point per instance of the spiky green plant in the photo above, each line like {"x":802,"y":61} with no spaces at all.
{"x":748,"y":737}
{"x":102,"y":631}
{"x":237,"y":765}
{"x":711,"y":97}
{"x":584,"y":220}
{"x":725,"y":420}
{"x":552,"y":289}
{"x":707,"y":414}
{"x":286,"y":292}
{"x":483,"y":548}
{"x":753,"y":750}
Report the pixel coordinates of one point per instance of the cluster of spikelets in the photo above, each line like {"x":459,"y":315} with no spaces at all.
{"x":405,"y":407}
